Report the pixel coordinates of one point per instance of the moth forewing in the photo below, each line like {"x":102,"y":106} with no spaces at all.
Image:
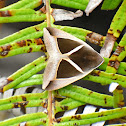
{"x":50,"y":71}
{"x":74,"y":65}
{"x":62,"y":82}
{"x":50,"y":42}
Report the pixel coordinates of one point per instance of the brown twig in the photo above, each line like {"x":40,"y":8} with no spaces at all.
{"x":50,"y":92}
{"x":50,"y":107}
{"x":48,"y":13}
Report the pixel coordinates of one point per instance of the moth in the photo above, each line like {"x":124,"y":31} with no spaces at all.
{"x":70,"y":59}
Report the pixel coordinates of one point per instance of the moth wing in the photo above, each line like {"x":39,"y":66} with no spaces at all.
{"x":50,"y":72}
{"x":50,"y":42}
{"x":62,"y":82}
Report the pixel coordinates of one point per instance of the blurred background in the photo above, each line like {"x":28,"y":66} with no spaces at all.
{"x":98,"y":21}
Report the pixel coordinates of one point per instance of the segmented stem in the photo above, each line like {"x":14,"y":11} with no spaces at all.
{"x":48,"y":13}
{"x":50,"y":92}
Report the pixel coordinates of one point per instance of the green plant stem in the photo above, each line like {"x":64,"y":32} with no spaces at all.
{"x":85,"y":95}
{"x":112,"y":67}
{"x":80,"y":4}
{"x":23,"y":101}
{"x":103,"y":80}
{"x":22,"y":15}
{"x":27,"y":118}
{"x":109,"y":75}
{"x":119,"y":21}
{"x":23,"y":4}
{"x":77,"y":4}
{"x":117,"y":56}
{"x":22,"y":50}
{"x":121,"y":69}
{"x":24,"y":73}
{"x":27,"y":97}
{"x":28,"y":67}
{"x":117,"y":25}
{"x":24,"y":104}
{"x":30,"y":83}
{"x":67,"y":92}
{"x":27,"y":33}
{"x":37,"y":122}
{"x":91,"y":118}
{"x":118,"y":97}
{"x":110,"y":5}
{"x":67,"y":104}
{"x":20,"y":47}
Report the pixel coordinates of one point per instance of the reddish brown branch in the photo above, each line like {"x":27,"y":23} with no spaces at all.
{"x":50,"y":108}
